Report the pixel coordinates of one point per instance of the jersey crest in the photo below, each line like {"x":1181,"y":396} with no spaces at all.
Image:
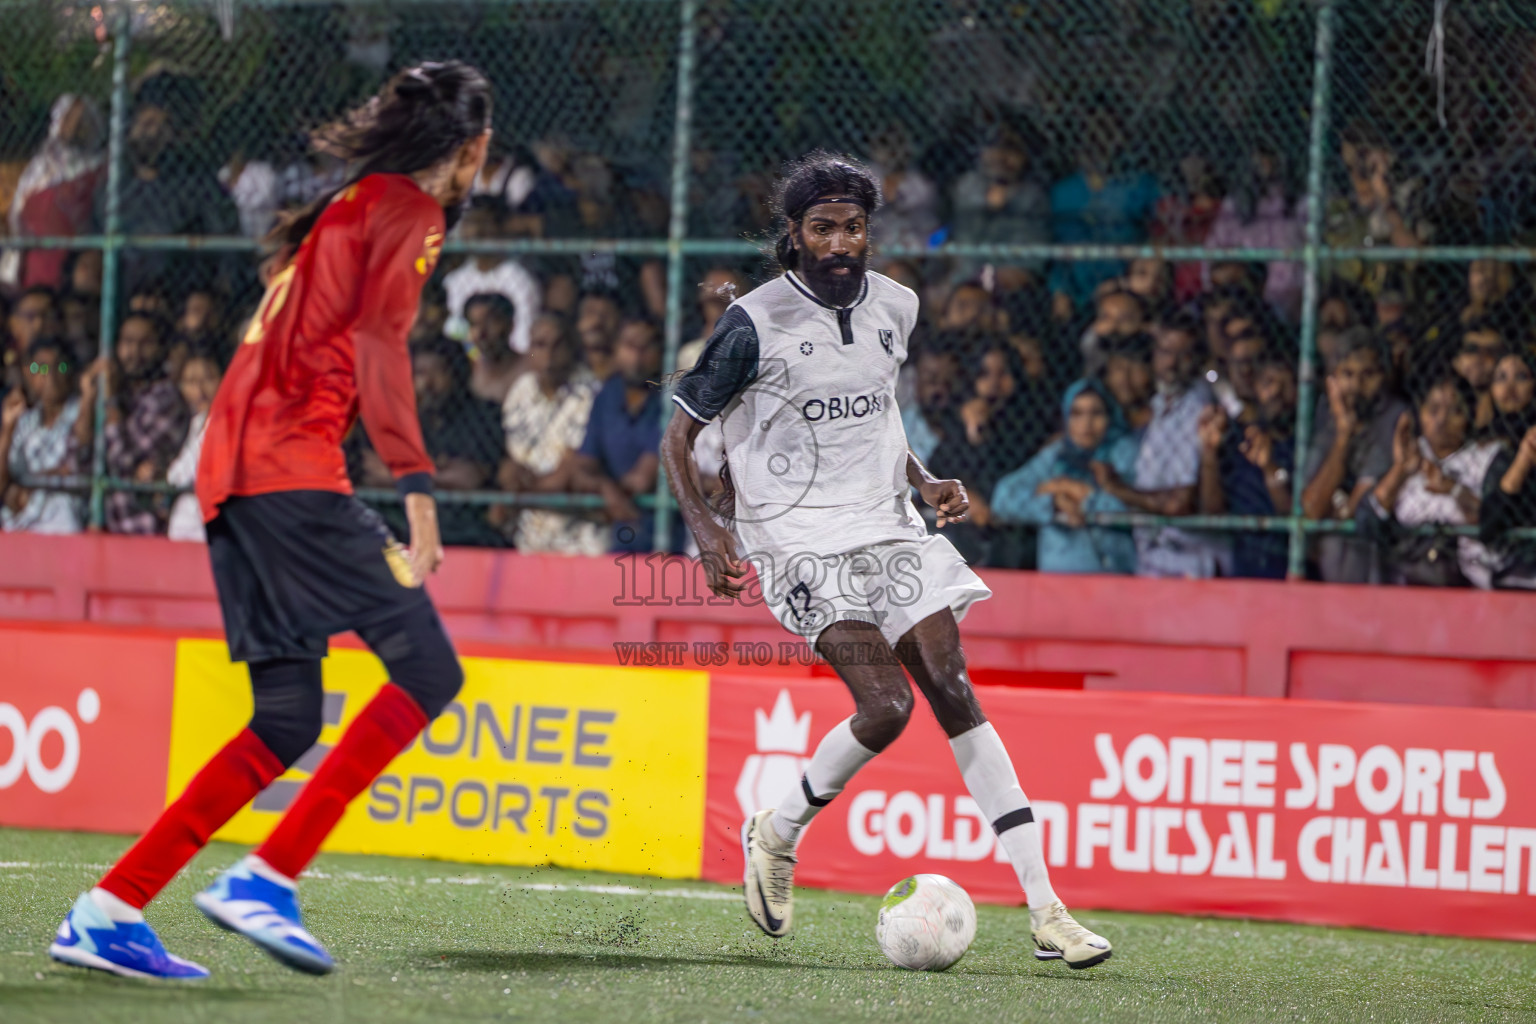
{"x":888,"y":341}
{"x":430,"y":248}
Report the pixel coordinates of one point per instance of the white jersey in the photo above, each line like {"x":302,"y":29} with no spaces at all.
{"x":806,"y":396}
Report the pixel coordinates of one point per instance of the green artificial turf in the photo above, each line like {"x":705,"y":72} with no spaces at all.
{"x":431,"y":941}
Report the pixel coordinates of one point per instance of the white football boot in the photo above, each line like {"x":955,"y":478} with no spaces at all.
{"x":1059,"y":937}
{"x":769,"y":880}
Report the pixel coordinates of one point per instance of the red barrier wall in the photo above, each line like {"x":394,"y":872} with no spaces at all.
{"x":1404,"y":818}
{"x":85,"y":724}
{"x":1225,"y":638}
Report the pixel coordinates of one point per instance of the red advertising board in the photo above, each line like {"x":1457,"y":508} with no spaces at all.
{"x":85,"y":727}
{"x":1404,"y":818}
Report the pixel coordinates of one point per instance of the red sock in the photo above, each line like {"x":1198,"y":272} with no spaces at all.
{"x":385,"y":727}
{"x":227,"y":783}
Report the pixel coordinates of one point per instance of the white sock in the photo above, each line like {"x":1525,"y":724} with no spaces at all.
{"x":260,"y":867}
{"x":989,"y":775}
{"x":116,"y":908}
{"x":837,"y":758}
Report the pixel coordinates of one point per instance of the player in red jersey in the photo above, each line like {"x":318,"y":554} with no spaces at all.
{"x":295,"y":557}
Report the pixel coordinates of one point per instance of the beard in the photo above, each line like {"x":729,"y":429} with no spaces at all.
{"x":836,"y":289}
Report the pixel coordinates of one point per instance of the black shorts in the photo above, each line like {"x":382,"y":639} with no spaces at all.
{"x":295,"y":567}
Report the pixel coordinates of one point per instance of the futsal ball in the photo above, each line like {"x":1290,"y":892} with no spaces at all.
{"x":926,"y":923}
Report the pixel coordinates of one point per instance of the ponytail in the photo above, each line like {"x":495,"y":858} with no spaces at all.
{"x":788,"y":256}
{"x":420,"y":118}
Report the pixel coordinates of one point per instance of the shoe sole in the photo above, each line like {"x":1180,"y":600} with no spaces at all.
{"x":73,"y":956}
{"x":746,"y":883}
{"x":281,"y":954}
{"x":1051,"y":954}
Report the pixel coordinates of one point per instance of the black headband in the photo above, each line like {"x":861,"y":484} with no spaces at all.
{"x":819,"y":200}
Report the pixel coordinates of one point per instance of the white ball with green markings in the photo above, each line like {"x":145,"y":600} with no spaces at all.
{"x":926,"y":923}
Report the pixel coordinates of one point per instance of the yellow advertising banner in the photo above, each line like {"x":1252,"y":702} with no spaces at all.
{"x":583,"y":766}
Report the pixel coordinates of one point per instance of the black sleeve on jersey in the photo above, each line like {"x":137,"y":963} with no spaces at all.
{"x":728,"y":365}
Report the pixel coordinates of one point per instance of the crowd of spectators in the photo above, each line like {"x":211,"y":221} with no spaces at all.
{"x":1055,"y":390}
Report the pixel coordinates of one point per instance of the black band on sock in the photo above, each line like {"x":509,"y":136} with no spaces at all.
{"x":812,"y":798}
{"x":1013,"y":819}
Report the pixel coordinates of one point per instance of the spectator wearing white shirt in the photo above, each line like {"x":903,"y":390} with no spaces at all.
{"x":490,"y":273}
{"x":503,"y":178}
{"x":36,"y":425}
{"x":254,"y":186}
{"x":1168,"y":466}
{"x":720,"y":287}
{"x":198,"y":382}
{"x":1437,"y":476}
{"x":545,"y":419}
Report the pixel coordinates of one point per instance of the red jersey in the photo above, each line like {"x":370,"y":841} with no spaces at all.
{"x":327,"y":343}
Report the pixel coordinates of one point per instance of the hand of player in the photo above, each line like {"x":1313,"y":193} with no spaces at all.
{"x":949,"y":497}
{"x":11,"y":411}
{"x":426,"y":551}
{"x":723,"y":570}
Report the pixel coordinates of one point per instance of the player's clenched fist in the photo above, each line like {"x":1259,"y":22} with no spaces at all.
{"x":723,"y":570}
{"x":949,"y":497}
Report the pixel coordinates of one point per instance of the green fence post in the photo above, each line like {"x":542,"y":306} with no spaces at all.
{"x":110,"y":250}
{"x":1322,"y":77}
{"x":677,"y":232}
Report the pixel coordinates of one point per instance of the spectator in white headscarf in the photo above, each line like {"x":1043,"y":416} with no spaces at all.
{"x":54,"y":194}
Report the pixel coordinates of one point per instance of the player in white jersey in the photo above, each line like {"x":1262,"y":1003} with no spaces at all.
{"x":801,"y":373}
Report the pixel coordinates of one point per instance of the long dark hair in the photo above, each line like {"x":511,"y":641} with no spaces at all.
{"x":420,"y":117}
{"x":818,"y":177}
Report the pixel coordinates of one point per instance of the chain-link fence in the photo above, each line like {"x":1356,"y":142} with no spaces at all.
{"x":1209,"y":287}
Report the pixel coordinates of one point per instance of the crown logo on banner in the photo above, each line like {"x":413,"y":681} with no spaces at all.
{"x":781,"y":732}
{"x":774,"y":768}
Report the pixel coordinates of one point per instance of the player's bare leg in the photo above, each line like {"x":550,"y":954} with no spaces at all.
{"x":883,"y":702}
{"x":932,"y":653}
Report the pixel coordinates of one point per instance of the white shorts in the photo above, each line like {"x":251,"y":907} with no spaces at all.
{"x":894,"y":585}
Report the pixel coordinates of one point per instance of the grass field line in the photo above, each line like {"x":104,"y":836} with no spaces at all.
{"x":634,"y":890}
{"x":52,"y":864}
{"x":472,"y":880}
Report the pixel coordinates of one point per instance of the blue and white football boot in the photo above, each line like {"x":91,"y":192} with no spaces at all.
{"x":89,"y":938}
{"x":251,"y":899}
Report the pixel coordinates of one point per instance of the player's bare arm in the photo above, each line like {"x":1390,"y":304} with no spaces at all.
{"x":723,"y":570}
{"x":948,"y":496}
